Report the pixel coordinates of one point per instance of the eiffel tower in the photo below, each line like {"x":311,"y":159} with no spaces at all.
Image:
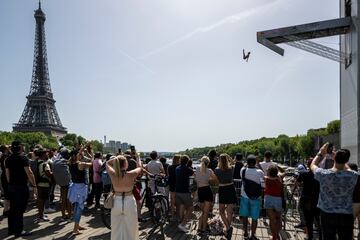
{"x":40,"y":114}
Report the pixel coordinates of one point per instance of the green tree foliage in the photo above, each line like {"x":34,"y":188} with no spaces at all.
{"x":283,"y":147}
{"x":305,"y":146}
{"x":96,"y":145}
{"x":29,"y":139}
{"x":71,"y":140}
{"x":333,"y":127}
{"x":38,"y":138}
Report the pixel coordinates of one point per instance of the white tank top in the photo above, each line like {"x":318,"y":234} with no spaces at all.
{"x":202,"y":178}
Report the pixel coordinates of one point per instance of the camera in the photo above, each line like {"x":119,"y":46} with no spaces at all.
{"x":330,"y":148}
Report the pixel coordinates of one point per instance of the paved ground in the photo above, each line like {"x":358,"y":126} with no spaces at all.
{"x":55,"y":229}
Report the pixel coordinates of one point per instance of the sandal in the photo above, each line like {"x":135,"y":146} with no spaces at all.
{"x":76,"y":232}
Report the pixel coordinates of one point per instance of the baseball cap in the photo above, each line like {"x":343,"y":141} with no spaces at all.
{"x":301,"y":168}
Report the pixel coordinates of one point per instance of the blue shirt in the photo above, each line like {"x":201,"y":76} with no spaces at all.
{"x":336,"y":190}
{"x":183,"y":174}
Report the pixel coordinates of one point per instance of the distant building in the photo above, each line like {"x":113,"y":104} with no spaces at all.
{"x":113,"y":146}
{"x":125,"y":146}
{"x":118,"y":145}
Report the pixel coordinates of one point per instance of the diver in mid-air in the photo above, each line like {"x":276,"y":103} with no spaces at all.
{"x":246,"y":57}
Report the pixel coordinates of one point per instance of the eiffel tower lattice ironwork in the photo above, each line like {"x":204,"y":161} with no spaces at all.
{"x":40,"y":114}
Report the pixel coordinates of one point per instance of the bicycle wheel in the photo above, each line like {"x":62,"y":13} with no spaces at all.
{"x":146,"y":199}
{"x":106,"y":217}
{"x":160,"y":208}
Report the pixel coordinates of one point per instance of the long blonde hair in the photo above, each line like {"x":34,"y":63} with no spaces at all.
{"x":119,"y":165}
{"x":224,"y":161}
{"x":204,"y":163}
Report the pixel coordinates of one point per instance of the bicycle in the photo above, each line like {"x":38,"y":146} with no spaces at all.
{"x":159,"y":206}
{"x":158,"y":203}
{"x":291,"y":195}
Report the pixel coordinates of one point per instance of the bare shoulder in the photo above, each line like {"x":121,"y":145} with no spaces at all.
{"x":134,"y":173}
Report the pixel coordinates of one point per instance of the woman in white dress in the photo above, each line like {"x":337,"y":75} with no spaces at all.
{"x":124,"y":220}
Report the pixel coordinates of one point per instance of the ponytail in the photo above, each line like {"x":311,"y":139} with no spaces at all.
{"x":204,"y":163}
{"x":119,"y":165}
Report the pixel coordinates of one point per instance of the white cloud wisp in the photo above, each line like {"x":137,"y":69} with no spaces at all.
{"x":230,"y":19}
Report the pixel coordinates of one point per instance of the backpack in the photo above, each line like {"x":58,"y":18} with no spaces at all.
{"x":252,"y":189}
{"x":38,"y":177}
{"x":105,"y":177}
{"x":61,"y":172}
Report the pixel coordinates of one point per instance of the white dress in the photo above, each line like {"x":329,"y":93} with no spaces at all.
{"x":124,"y":219}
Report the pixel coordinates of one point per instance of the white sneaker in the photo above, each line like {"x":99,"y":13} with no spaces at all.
{"x":49,"y":210}
{"x":43,"y":219}
{"x":183,"y":228}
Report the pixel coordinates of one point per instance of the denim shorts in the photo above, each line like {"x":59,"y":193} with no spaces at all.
{"x":271,"y":202}
{"x":250,"y":208}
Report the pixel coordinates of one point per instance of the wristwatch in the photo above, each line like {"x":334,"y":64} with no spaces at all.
{"x":319,"y":155}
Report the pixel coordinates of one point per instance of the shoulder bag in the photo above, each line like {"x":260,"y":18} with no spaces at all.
{"x":109,"y":201}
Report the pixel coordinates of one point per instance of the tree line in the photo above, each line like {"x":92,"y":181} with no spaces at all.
{"x":284,"y":148}
{"x":31,"y":139}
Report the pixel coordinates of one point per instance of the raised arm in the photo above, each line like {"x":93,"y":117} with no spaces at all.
{"x":109,"y":167}
{"x":316,"y":161}
{"x":88,"y":154}
{"x":138,"y":160}
{"x":86,"y":158}
{"x":146,"y":171}
{"x":136,"y":172}
{"x":85,"y":162}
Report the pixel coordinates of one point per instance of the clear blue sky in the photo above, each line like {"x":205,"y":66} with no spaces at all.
{"x":169,"y":75}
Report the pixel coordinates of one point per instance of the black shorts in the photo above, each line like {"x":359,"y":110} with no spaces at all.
{"x":5,"y":187}
{"x":205,"y":194}
{"x":43,"y":192}
{"x":227,"y":194}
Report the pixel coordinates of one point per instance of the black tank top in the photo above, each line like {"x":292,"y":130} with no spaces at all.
{"x":78,"y":176}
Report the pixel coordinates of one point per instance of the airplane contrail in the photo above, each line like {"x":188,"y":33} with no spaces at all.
{"x":230,"y":19}
{"x":134,"y":60}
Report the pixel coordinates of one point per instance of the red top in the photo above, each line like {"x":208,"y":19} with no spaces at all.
{"x":273,"y":187}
